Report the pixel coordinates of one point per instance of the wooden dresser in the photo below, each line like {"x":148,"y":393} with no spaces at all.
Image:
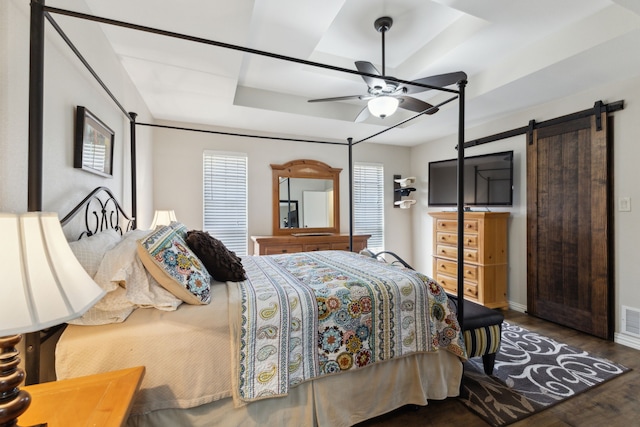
{"x":485,"y":255}
{"x":271,"y":245}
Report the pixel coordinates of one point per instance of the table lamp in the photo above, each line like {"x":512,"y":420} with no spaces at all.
{"x":42,"y":284}
{"x":162,"y":217}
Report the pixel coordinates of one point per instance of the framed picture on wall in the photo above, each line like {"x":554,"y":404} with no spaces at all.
{"x":93,"y":147}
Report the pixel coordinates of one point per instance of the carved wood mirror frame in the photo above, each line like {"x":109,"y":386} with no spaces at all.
{"x":305,"y":168}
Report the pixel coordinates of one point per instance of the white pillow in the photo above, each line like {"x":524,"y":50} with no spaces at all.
{"x":128,"y":285}
{"x":90,"y":250}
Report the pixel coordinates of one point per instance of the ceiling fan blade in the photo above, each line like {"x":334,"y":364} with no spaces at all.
{"x":364,"y":115}
{"x":367,"y":67}
{"x":441,"y":80}
{"x":415,"y":105}
{"x":338,"y":98}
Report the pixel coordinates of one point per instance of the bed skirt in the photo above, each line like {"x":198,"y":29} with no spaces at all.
{"x":339,"y":400}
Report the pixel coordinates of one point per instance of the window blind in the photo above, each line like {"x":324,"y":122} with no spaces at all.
{"x":368,"y":205}
{"x":225,"y":199}
{"x":94,"y":156}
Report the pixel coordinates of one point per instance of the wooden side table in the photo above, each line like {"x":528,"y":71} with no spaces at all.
{"x":95,"y":400}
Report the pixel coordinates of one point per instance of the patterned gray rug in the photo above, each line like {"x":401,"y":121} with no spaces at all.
{"x":532,"y":372}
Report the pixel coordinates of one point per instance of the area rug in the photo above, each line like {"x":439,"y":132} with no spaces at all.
{"x":532,"y":373}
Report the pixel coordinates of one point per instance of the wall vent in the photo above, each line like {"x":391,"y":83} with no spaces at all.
{"x":631,"y":321}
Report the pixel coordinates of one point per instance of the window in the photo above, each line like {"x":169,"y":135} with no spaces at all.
{"x":225,"y":199}
{"x":368,"y":203}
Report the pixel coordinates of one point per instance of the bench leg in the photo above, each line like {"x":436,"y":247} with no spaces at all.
{"x":488,"y":360}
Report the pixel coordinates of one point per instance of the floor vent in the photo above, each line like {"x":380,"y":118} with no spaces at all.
{"x":631,"y":321}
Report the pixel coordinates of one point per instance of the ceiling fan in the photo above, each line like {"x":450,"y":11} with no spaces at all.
{"x":385,"y":95}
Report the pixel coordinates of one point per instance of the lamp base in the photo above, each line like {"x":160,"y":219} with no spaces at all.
{"x":13,"y":401}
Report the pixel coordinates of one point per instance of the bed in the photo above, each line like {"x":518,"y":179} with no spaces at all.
{"x":365,"y":337}
{"x":210,"y":393}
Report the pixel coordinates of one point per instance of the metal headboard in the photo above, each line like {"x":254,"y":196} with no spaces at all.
{"x":379,"y":256}
{"x":101,"y":212}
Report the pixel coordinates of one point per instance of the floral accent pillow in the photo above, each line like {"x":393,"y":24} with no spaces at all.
{"x":179,"y":228}
{"x":170,"y":261}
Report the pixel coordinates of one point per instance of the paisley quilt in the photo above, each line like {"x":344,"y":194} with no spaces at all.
{"x":310,"y":314}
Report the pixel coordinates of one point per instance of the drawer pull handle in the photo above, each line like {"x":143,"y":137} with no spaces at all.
{"x":284,"y":251}
{"x":469,"y":256}
{"x":469,"y":241}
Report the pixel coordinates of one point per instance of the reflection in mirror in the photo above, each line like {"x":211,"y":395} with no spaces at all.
{"x":305,"y":198}
{"x":316,"y":202}
{"x":289,"y":213}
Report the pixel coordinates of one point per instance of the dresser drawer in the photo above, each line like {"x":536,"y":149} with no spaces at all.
{"x":281,"y":249}
{"x":317,"y":247}
{"x":470,"y":255}
{"x":450,"y":284}
{"x":344,"y":246}
{"x":469,"y":272}
{"x":446,"y":238}
{"x":470,"y":225}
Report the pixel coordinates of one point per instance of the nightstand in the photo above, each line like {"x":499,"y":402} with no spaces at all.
{"x":96,"y":400}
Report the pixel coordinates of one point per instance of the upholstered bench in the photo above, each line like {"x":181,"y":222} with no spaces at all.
{"x":482,"y":329}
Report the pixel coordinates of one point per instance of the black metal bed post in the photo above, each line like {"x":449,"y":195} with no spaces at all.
{"x":34,"y":179}
{"x":350,"y":140}
{"x":36,"y":105}
{"x":460,"y":203}
{"x":134,"y":187}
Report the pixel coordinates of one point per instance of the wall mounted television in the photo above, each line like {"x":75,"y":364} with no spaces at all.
{"x":488,"y":180}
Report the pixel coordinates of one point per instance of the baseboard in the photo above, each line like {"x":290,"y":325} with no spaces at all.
{"x":624,"y":339}
{"x":627,"y":340}
{"x":517,"y":307}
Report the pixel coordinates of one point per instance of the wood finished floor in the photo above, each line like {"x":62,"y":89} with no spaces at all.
{"x":614,"y":403}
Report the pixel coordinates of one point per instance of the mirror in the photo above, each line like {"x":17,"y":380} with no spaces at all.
{"x":305,"y":198}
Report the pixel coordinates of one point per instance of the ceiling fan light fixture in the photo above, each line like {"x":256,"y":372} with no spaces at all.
{"x":383,"y":106}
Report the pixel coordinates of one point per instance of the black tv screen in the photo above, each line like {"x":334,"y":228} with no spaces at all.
{"x":488,"y":181}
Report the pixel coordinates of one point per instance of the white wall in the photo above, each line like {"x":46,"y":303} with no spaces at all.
{"x":177,"y":159}
{"x":67,"y":84}
{"x":626,"y":152}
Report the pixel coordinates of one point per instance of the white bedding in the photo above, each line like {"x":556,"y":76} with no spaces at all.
{"x":186,"y":353}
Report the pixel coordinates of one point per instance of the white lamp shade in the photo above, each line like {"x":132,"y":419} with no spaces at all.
{"x":163,"y":217}
{"x":42,"y":282}
{"x":383,"y":106}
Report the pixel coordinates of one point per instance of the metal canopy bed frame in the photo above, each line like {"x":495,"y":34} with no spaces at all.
{"x":40,"y":12}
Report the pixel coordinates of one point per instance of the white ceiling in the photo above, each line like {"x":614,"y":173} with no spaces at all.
{"x":516,"y":53}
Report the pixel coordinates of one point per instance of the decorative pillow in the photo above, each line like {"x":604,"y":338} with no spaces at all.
{"x":223,"y":264}
{"x":128,"y":285}
{"x":90,"y":250}
{"x":167,"y":257}
{"x":179,"y":228}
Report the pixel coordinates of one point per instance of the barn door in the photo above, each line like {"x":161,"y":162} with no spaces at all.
{"x":569,"y":231}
